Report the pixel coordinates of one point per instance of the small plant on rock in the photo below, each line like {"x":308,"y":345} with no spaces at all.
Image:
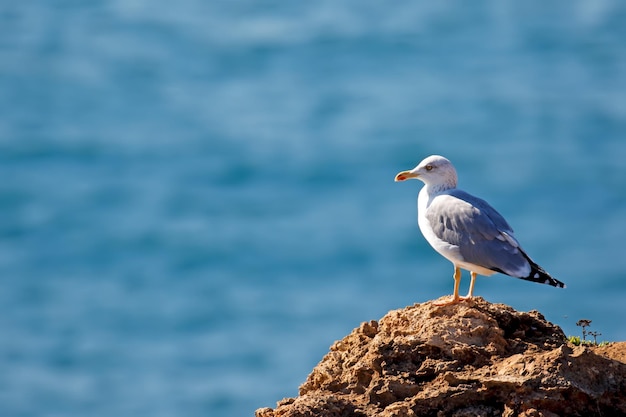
{"x":577,"y":341}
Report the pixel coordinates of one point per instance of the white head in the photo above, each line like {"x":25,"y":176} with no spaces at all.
{"x":435,"y":171}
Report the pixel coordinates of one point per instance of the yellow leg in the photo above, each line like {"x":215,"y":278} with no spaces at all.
{"x":457,"y":283}
{"x":470,"y":294}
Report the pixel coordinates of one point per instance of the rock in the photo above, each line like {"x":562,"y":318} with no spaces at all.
{"x":470,"y":359}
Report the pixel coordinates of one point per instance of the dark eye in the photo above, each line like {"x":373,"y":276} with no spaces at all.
{"x":428,"y":167}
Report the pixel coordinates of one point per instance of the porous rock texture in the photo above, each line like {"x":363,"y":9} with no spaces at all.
{"x":474,"y":358}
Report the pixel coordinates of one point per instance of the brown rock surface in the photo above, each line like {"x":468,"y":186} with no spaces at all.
{"x":470,"y":359}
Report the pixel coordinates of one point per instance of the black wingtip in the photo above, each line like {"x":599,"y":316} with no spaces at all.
{"x":537,"y":274}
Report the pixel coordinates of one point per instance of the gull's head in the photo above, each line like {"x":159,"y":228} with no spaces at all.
{"x":435,"y":171}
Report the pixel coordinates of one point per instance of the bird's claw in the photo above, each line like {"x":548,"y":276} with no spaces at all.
{"x":453,"y":301}
{"x":449,"y":302}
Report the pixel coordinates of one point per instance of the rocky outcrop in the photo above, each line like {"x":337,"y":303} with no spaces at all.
{"x":470,"y":359}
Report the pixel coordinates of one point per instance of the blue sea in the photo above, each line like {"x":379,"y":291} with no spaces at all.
{"x":197,"y":198}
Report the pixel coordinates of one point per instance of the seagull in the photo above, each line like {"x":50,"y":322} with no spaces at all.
{"x":466,"y":230}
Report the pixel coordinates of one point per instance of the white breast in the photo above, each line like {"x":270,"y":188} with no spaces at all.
{"x":445,"y":249}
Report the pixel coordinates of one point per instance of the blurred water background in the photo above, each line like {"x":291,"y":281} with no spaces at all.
{"x":197,"y":198}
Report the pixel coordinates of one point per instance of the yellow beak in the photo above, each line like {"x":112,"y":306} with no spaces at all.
{"x":405,"y":175}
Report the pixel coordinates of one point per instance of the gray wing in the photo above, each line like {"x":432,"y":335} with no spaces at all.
{"x":482,"y":235}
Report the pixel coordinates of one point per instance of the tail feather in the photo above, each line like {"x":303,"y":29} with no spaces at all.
{"x":538,"y":274}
